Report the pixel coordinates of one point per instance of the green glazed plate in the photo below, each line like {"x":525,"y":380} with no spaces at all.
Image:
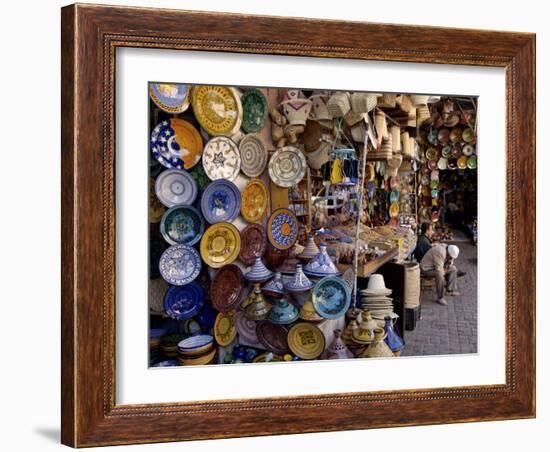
{"x":254,"y":110}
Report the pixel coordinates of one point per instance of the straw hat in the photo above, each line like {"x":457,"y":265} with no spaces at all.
{"x":376,"y":286}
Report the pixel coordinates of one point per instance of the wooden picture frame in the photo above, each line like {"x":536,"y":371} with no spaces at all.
{"x":90,"y":36}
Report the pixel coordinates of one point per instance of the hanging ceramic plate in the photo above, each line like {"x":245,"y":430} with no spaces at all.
{"x":218,"y":109}
{"x":447,"y":151}
{"x":443,"y":136}
{"x":394,"y":182}
{"x":253,"y":243}
{"x":451,"y":163}
{"x":432,"y":164}
{"x":182,"y":224}
{"x":468,"y":135}
{"x":456,"y":134}
{"x":224,"y":328}
{"x":220,"y":244}
{"x":457,"y":152}
{"x":282,"y":229}
{"x":272,"y":336}
{"x":432,"y":136}
{"x":462,"y":162}
{"x":156,"y":209}
{"x":221,"y":201}
{"x":306,"y":340}
{"x":227,"y":288}
{"x":221,"y":159}
{"x":287,"y":166}
{"x":431,"y":153}
{"x":175,"y":187}
{"x":246,"y":329}
{"x":255,"y":200}
{"x":468,"y":150}
{"x":394,"y":196}
{"x":394,"y":210}
{"x":331,"y":297}
{"x":442,"y":163}
{"x":170,"y":97}
{"x":175,"y":143}
{"x":254,"y":110}
{"x":425,"y":179}
{"x":253,"y":155}
{"x":180,"y":265}
{"x":434,"y":183}
{"x":434,"y":175}
{"x":434,"y":193}
{"x":472,"y":162}
{"x":183,"y":302}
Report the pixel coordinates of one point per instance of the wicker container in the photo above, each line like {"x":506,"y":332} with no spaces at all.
{"x":411,"y":295}
{"x":363,"y":102}
{"x":381,"y":126}
{"x":395,"y":133}
{"x":339,"y":104}
{"x":387,"y":100}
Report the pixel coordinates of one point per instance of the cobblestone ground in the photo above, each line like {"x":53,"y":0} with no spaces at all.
{"x":449,"y":329}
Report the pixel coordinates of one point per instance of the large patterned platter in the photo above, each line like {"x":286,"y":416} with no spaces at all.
{"x":253,"y":243}
{"x":183,"y":302}
{"x":218,"y":109}
{"x":180,"y":265}
{"x":255,"y":201}
{"x":254,"y":110}
{"x":227,"y":288}
{"x":221,"y":159}
{"x":220,"y":244}
{"x":170,"y":97}
{"x":331,"y":297}
{"x":175,"y":187}
{"x":282,"y":229}
{"x":221,"y":201}
{"x":306,"y":340}
{"x":253,"y":155}
{"x":175,"y":143}
{"x":287,"y":166}
{"x":182,"y":224}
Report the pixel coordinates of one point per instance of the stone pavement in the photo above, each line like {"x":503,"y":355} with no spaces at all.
{"x":449,"y":329}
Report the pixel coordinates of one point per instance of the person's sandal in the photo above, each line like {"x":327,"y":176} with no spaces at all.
{"x":442,"y":301}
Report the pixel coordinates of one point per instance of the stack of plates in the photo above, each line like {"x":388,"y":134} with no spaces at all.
{"x":379,"y":305}
{"x":196,"y":350}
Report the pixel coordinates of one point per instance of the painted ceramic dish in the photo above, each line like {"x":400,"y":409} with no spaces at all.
{"x":175,"y":187}
{"x":221,"y":159}
{"x":331,"y":297}
{"x":254,"y":110}
{"x":468,"y":150}
{"x":306,"y":340}
{"x":451,"y":163}
{"x":255,"y":200}
{"x":224,"y":328}
{"x":156,"y":209}
{"x":472,"y":162}
{"x":462,"y":162}
{"x":253,"y":155}
{"x":443,"y":136}
{"x":272,"y":336}
{"x":432,"y":164}
{"x":218,"y":109}
{"x":394,"y":196}
{"x":442,"y":163}
{"x":227,"y":288}
{"x":457,"y":152}
{"x":175,"y":143}
{"x":431,"y":153}
{"x":394,"y":209}
{"x":447,"y":151}
{"x":246,"y":329}
{"x":282,"y":229}
{"x":195,"y":345}
{"x":182,"y":224}
{"x":253,"y":243}
{"x":180,"y":265}
{"x":434,"y":183}
{"x":220,"y":244}
{"x":183,"y":302}
{"x":170,"y":97}
{"x":468,"y":135}
{"x":221,"y":201}
{"x":287,"y":166}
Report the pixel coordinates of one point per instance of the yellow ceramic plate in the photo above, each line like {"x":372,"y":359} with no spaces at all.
{"x":224,"y":328}
{"x":220,"y":244}
{"x":254,"y":201}
{"x":156,"y":209}
{"x":468,"y":135}
{"x":199,"y":360}
{"x":261,"y":358}
{"x":189,"y":140}
{"x":462,"y":162}
{"x":306,"y":340}
{"x":394,"y":209}
{"x":218,"y":109}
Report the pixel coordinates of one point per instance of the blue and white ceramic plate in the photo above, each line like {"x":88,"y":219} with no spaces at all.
{"x":170,"y":97}
{"x":180,"y":265}
{"x":183,"y":302}
{"x":182,"y":224}
{"x":331,"y":297}
{"x":282,"y":229}
{"x":174,"y":187}
{"x":221,"y":201}
{"x":194,"y":342}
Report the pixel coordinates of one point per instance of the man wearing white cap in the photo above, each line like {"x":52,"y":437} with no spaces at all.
{"x":438,"y":262}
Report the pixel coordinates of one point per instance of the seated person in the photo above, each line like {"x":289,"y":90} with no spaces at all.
{"x":424,"y":243}
{"x":438,"y":262}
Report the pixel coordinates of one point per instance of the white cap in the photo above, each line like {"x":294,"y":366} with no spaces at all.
{"x":453,"y":251}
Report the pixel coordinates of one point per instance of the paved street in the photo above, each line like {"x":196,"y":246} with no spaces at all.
{"x":449,"y":329}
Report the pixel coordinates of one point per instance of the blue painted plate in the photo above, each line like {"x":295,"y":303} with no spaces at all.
{"x":221,"y":201}
{"x":183,"y":302}
{"x":194,"y":342}
{"x":180,"y":265}
{"x":182,"y":224}
{"x":394,"y":196}
{"x":170,"y":97}
{"x":331,"y":297}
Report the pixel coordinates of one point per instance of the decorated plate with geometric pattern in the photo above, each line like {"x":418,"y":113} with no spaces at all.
{"x":180,"y":264}
{"x":175,"y":143}
{"x":221,"y":159}
{"x":253,"y":155}
{"x":170,"y":97}
{"x":287,"y":166}
{"x":220,"y":244}
{"x":282,"y":229}
{"x":254,"y":110}
{"x":331,"y":297}
{"x":183,"y":302}
{"x":218,"y":109}
{"x":221,"y":201}
{"x":254,"y":201}
{"x":182,"y":224}
{"x":175,"y":186}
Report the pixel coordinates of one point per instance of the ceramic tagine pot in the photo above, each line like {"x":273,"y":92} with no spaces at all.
{"x":338,"y":349}
{"x":321,"y":265}
{"x":275,"y":287}
{"x":365,"y":333}
{"x":283,"y":312}
{"x":257,"y":307}
{"x":378,"y":348}
{"x":300,"y":282}
{"x":310,"y":251}
{"x":393,"y":340}
{"x":258,"y":272}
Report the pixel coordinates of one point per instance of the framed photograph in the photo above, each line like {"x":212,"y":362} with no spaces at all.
{"x":267,"y":231}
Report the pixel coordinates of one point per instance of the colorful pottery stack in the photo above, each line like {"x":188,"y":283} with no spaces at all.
{"x":196,"y":350}
{"x":169,"y":345}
